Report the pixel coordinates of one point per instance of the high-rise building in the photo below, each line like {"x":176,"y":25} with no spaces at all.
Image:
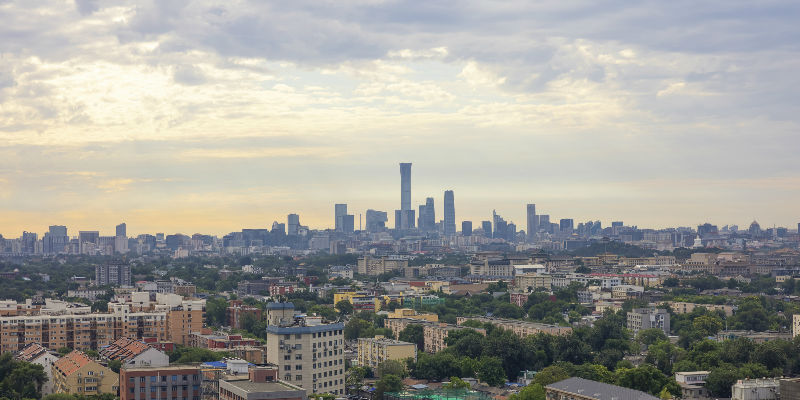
{"x":487,"y":228}
{"x":449,"y":214}
{"x":544,"y":223}
{"x":466,"y":228}
{"x":533,"y":222}
{"x":309,"y":354}
{"x":376,"y":221}
{"x":122,"y":230}
{"x":566,"y":225}
{"x":29,"y":240}
{"x":55,"y":241}
{"x":617,"y":224}
{"x":340,"y":211}
{"x":404,"y":217}
{"x":87,"y":240}
{"x":427,"y":216}
{"x":278,"y":228}
{"x":113,"y":273}
{"x":500,"y":226}
{"x":348,"y":223}
{"x":293,"y":224}
{"x":405,"y":186}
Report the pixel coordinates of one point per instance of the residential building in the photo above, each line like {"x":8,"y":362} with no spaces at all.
{"x":530,"y":282}
{"x":36,"y":354}
{"x":372,"y":352}
{"x":164,"y":382}
{"x":133,"y":353}
{"x":115,"y":273}
{"x":520,"y":328}
{"x":436,"y":335}
{"x":756,"y":389}
{"x":680,"y":307}
{"x":790,"y":389}
{"x":280,"y":313}
{"x":795,"y":325}
{"x":647,"y":318}
{"x":584,"y":389}
{"x":259,"y":389}
{"x":368,"y":265}
{"x":237,"y":311}
{"x":309,"y":354}
{"x":76,"y":373}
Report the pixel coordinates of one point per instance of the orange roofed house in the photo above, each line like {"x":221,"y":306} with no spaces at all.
{"x":76,"y":373}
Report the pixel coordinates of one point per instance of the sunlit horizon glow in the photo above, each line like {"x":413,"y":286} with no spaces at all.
{"x":210,"y":116}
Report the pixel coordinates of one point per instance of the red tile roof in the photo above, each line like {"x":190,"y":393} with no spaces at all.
{"x":72,"y":362}
{"x":31,"y":352}
{"x":123,"y":349}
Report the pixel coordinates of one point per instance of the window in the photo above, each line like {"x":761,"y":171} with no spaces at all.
{"x":298,"y":377}
{"x":298,"y":367}
{"x":298,"y":356}
{"x":153,"y":379}
{"x":152,"y":389}
{"x":287,"y":367}
{"x":287,"y":357}
{"x":298,"y":336}
{"x":141,"y":379}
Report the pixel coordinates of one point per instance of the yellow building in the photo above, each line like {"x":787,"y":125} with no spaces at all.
{"x":76,"y":373}
{"x":374,"y":351}
{"x":409,"y":313}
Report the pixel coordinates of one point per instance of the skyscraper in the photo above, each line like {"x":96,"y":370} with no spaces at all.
{"x":55,"y":240}
{"x":340,"y":210}
{"x":466,"y":228}
{"x":376,"y":221}
{"x":292,"y":224}
{"x":487,"y":228}
{"x":405,"y":186}
{"x":122,"y":230}
{"x":566,"y":225}
{"x":404,"y":217}
{"x":500,"y":226}
{"x":427,"y":216}
{"x":449,"y":214}
{"x":533,"y":222}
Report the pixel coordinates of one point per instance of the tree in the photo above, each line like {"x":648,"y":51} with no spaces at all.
{"x":216,"y":311}
{"x":20,"y":379}
{"x":649,"y":336}
{"x":115,"y":365}
{"x":646,"y":378}
{"x":64,"y":351}
{"x":583,"y":270}
{"x":551,"y":374}
{"x":391,"y":367}
{"x":721,"y":379}
{"x":92,"y":353}
{"x":387,"y":384}
{"x":344,"y":307}
{"x":456,"y":383}
{"x":356,"y":375}
{"x":534,"y":391}
{"x":671,"y":282}
{"x":414,"y":333}
{"x":490,"y":371}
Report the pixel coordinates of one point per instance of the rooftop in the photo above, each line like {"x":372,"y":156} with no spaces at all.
{"x":598,"y":390}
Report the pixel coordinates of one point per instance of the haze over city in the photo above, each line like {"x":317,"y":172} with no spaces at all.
{"x":211,"y":116}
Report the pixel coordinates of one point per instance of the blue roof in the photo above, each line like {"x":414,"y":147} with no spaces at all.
{"x":215,"y":364}
{"x":280,"y":306}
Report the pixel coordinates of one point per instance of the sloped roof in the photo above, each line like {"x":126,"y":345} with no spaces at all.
{"x":31,"y":352}
{"x":598,"y":390}
{"x":72,"y":362}
{"x":124,"y":349}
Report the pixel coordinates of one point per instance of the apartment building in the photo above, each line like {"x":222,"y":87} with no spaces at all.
{"x":374,"y":351}
{"x":254,"y":388}
{"x":309,"y":354}
{"x":647,"y":318}
{"x":36,"y":354}
{"x":162,"y":382}
{"x":397,"y":325}
{"x":531,"y":282}
{"x":373,"y":266}
{"x":436,"y":335}
{"x":680,"y":307}
{"x":133,"y":353}
{"x":80,"y":329}
{"x":237,"y":311}
{"x":76,"y":373}
{"x":520,"y":328}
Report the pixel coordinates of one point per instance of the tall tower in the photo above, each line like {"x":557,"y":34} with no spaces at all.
{"x":404,"y":217}
{"x":533,"y":223}
{"x":340,"y":210}
{"x":449,"y":214}
{"x":405,"y":186}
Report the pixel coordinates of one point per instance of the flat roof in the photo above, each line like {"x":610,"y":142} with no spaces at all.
{"x":597,"y":390}
{"x":167,"y":367}
{"x":252,"y":387}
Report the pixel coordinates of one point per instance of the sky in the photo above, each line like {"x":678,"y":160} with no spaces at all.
{"x":212,"y":116}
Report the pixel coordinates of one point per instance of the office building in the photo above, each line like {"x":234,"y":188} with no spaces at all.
{"x":122,"y":230}
{"x":340,"y":210}
{"x":449,"y":214}
{"x":114,"y":273}
{"x":239,"y":389}
{"x":500,"y":226}
{"x":76,"y":373}
{"x":647,"y":318}
{"x":404,"y":217}
{"x":376,"y":221}
{"x":427,"y":216}
{"x":583,"y":389}
{"x":160,"y":382}
{"x":544,"y":223}
{"x":55,"y":240}
{"x":617,"y":224}
{"x":533,"y":222}
{"x":309,"y":354}
{"x":372,"y":352}
{"x":466,"y":228}
{"x":293,"y":224}
{"x":486,"y":226}
{"x":278,"y":228}
{"x":87,"y":241}
{"x":566,"y":225}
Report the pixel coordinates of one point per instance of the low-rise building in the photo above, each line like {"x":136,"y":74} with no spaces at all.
{"x":680,"y":307}
{"x":520,"y":328}
{"x":648,"y":318}
{"x":132,"y":353}
{"x":36,"y":354}
{"x":374,"y":351}
{"x":584,"y":389}
{"x":249,"y":390}
{"x":756,"y":389}
{"x":76,"y":373}
{"x":436,"y":335}
{"x":165,"y":382}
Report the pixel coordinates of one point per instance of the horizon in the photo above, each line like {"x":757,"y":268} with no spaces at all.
{"x":210,"y":116}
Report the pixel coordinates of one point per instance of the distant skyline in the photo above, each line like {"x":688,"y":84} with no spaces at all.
{"x":211,"y":116}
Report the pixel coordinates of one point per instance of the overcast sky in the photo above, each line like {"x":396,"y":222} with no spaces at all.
{"x":204,"y":116}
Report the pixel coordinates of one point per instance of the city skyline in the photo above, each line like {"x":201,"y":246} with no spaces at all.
{"x":209,"y":116}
